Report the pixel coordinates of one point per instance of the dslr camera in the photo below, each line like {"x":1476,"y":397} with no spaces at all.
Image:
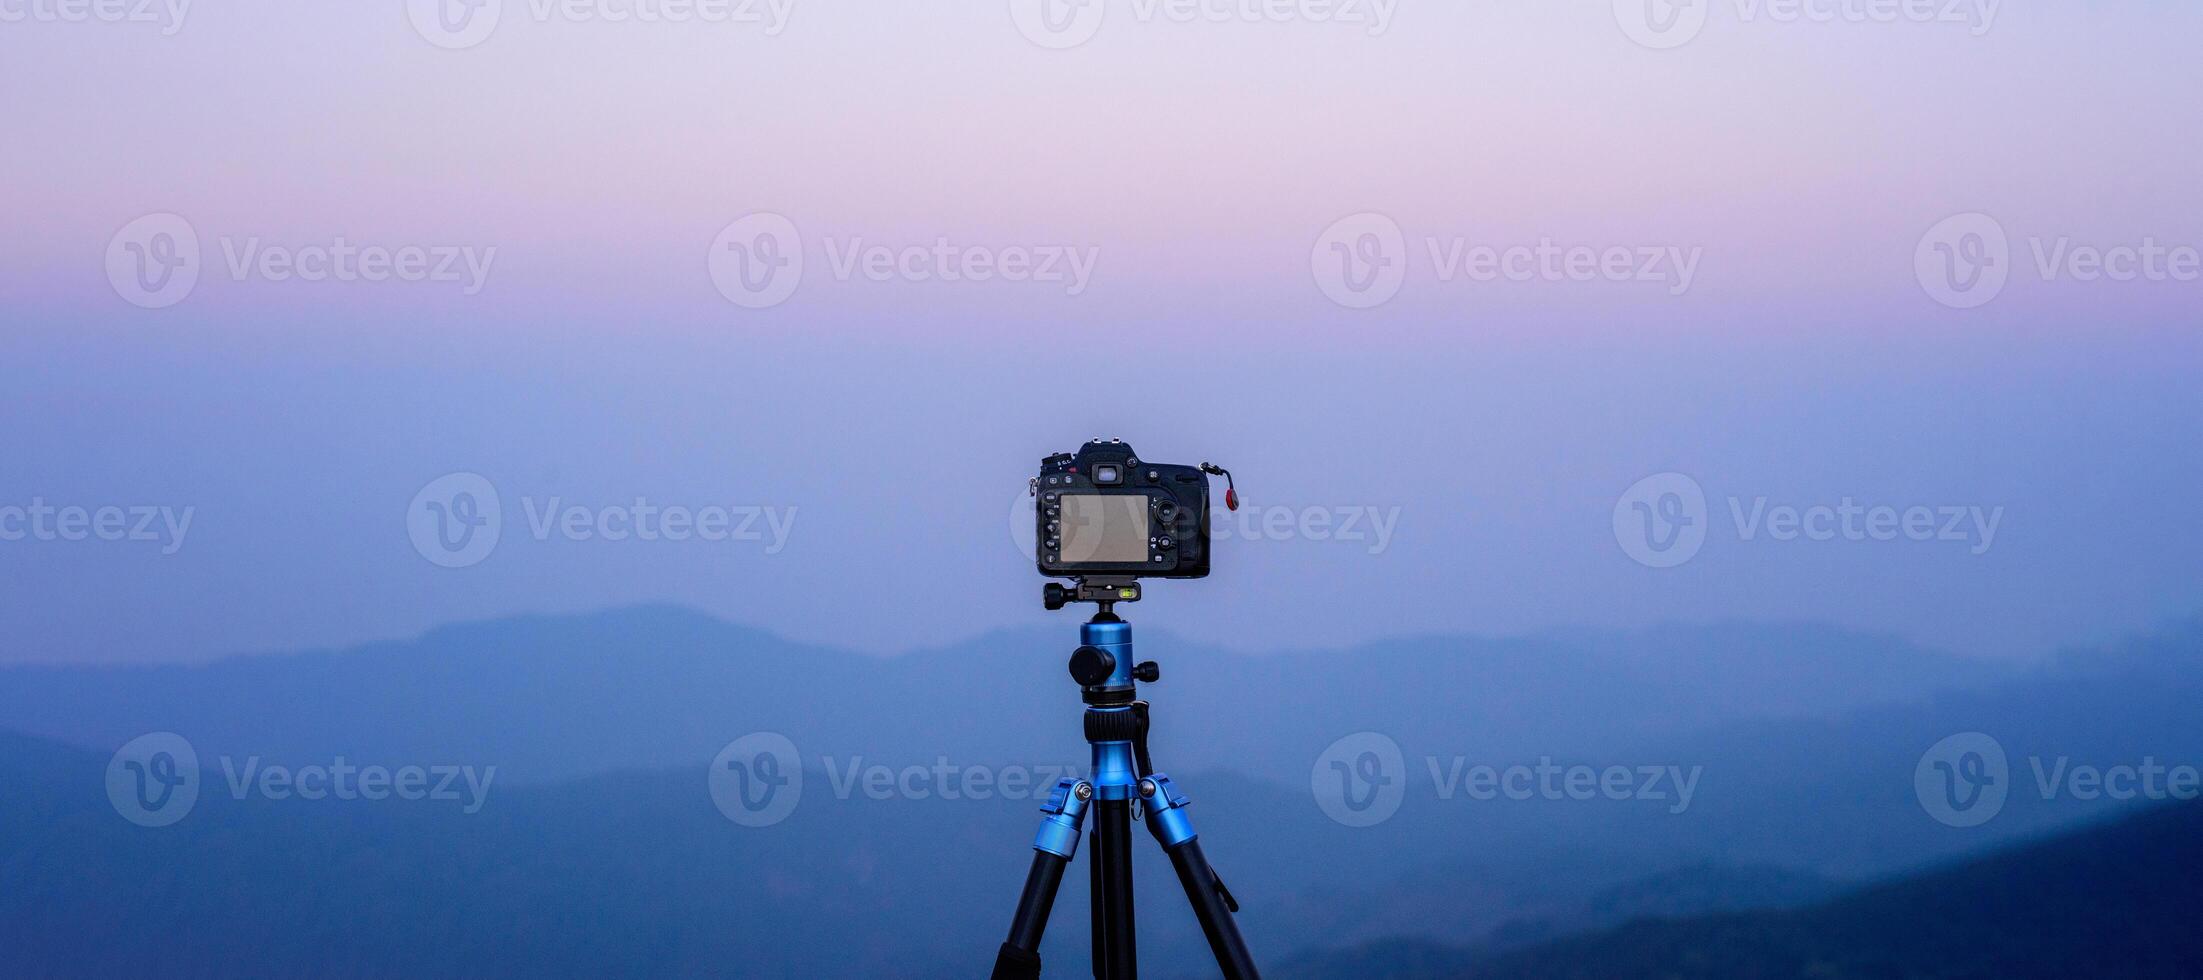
{"x":1106,"y":517}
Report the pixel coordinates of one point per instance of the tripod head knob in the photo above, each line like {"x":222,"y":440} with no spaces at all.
{"x":1147,"y":672}
{"x":1092,"y":666}
{"x":1054,"y":596}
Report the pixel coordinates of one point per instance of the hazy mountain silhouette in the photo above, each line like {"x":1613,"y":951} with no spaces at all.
{"x":612,"y":875}
{"x":2117,"y":900}
{"x":556,"y":697}
{"x":637,"y":872}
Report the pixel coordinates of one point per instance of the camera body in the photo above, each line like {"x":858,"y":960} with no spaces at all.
{"x":1103,"y":512}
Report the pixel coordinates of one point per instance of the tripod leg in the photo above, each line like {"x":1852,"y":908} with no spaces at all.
{"x":1113,"y":891}
{"x":1212,"y":902}
{"x":1097,"y":911}
{"x":1019,"y":958}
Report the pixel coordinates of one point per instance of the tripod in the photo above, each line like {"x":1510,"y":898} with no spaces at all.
{"x":1123,"y":777}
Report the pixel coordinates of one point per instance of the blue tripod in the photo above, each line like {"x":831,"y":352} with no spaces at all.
{"x":1116,"y":727}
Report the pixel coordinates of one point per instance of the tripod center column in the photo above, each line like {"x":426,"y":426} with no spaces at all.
{"x":1110,"y":724}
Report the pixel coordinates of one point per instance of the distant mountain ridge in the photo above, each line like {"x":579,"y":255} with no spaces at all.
{"x":638,"y":873}
{"x":549,"y":698}
{"x":609,"y":875}
{"x":531,"y":882}
{"x":2114,"y":900}
{"x":589,"y":844}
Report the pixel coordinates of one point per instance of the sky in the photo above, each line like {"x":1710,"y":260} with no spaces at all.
{"x":1507,"y":317}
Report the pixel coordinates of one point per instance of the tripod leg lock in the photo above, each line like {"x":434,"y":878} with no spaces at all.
{"x":1166,"y":810}
{"x":1066,"y":811}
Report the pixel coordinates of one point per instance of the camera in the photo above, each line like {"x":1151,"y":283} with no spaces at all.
{"x":1106,"y":514}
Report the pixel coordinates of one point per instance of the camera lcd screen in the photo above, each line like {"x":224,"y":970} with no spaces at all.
{"x":1104,"y":528}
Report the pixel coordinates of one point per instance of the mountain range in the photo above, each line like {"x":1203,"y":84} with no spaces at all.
{"x":598,"y":847}
{"x":550,"y":698}
{"x":2115,"y":900}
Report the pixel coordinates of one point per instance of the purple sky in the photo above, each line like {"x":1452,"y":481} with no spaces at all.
{"x":1172,"y":193}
